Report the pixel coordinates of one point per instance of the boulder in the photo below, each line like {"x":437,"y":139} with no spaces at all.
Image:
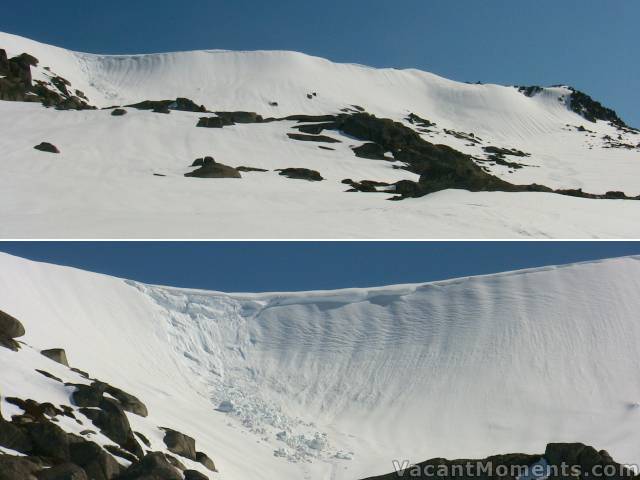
{"x":97,"y":463}
{"x":65,"y":471}
{"x":128,"y":402}
{"x":118,"y":112}
{"x":10,"y":327}
{"x":9,"y":343}
{"x":301,"y":173}
{"x":92,"y":395}
{"x":17,"y":468}
{"x":14,"y":438}
{"x":154,"y":466}
{"x":175,"y":462}
{"x":87,"y":395}
{"x":143,"y":439}
{"x":180,"y":444}
{"x":57,"y":355}
{"x":47,"y":147}
{"x":194,"y":475}
{"x":113,"y":423}
{"x":119,"y":452}
{"x":212,"y":169}
{"x":204,"y":459}
{"x":48,"y":440}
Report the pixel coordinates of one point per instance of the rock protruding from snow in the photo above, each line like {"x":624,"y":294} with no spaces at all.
{"x":113,"y":423}
{"x":301,"y":174}
{"x":209,"y":168}
{"x":57,"y":355}
{"x":10,"y":328}
{"x":204,"y":459}
{"x":47,"y":147}
{"x":180,"y":444}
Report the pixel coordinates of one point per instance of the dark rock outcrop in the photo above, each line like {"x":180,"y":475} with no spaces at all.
{"x":372,"y":151}
{"x":365,"y":185}
{"x":251,"y":169}
{"x":164,"y":106}
{"x":94,"y":460}
{"x":118,"y":112}
{"x":209,"y":168}
{"x":212,"y":122}
{"x":573,"y":461}
{"x":530,"y":91}
{"x":312,"y":138}
{"x":14,"y":438}
{"x":240,"y":117}
{"x":57,"y":355}
{"x":17,"y":85}
{"x":589,"y":461}
{"x":65,"y":471}
{"x":180,"y":444}
{"x":204,"y":459}
{"x":93,"y":394}
{"x":312,"y":118}
{"x":47,"y":147}
{"x":301,"y":174}
{"x":194,"y":475}
{"x":591,"y":110}
{"x":154,"y":466}
{"x":316,"y":128}
{"x":48,"y":440}
{"x":10,"y":328}
{"x":113,"y":423}
{"x":18,"y":468}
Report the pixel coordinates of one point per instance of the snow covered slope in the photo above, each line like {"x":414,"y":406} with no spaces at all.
{"x":337,"y":384}
{"x":103,"y":184}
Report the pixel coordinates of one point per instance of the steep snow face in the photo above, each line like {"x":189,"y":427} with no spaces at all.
{"x":337,"y":384}
{"x":107,"y":164}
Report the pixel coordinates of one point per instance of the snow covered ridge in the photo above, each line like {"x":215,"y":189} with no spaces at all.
{"x":272,"y":119}
{"x":339,"y":384}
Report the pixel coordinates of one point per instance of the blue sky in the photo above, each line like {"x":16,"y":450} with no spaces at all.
{"x":590,"y":44}
{"x":290,"y":266}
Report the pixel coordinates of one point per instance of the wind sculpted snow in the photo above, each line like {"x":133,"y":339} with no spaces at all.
{"x":337,"y":384}
{"x":124,"y":176}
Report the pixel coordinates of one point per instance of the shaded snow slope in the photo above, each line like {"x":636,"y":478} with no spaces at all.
{"x":336,"y":384}
{"x":106,"y":164}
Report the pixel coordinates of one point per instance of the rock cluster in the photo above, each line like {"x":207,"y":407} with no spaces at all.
{"x":48,"y":452}
{"x":16,"y":84}
{"x":165,"y":106}
{"x":580,"y":462}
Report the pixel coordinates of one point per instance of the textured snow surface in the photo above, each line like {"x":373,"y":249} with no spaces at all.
{"x":102,"y":183}
{"x":338,"y":384}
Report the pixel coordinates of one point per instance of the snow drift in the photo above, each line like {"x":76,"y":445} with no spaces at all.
{"x":337,"y":384}
{"x":123,"y":177}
